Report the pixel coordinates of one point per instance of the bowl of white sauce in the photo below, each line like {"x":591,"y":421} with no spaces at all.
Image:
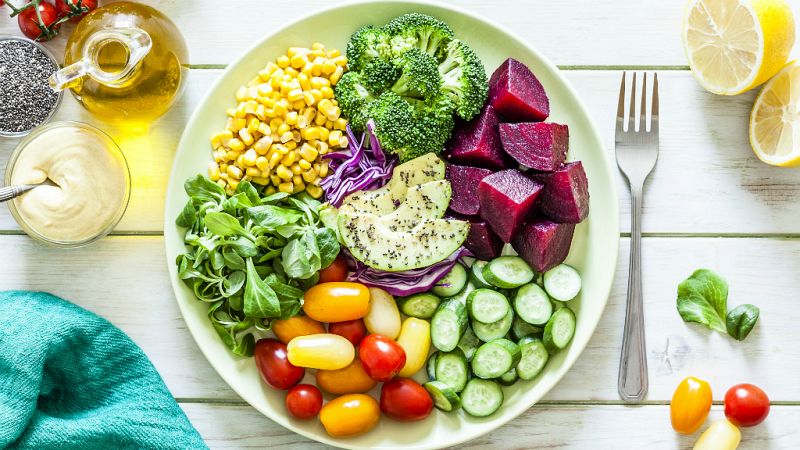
{"x":88,"y":189}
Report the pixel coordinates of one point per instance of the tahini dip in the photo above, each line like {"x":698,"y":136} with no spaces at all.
{"x":91,"y":178}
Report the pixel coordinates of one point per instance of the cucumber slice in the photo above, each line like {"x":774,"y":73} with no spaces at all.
{"x":491,"y":331}
{"x":476,"y":275}
{"x":534,"y":357}
{"x":495,"y":358}
{"x":481,"y":398}
{"x":508,"y":272}
{"x":469,"y":343}
{"x":520,"y":329}
{"x":562,"y":282}
{"x":559,"y":330}
{"x":430,"y":366}
{"x":508,"y":378}
{"x":444,"y":397}
{"x":452,"y":283}
{"x":452,"y":370}
{"x":448,"y":324}
{"x":533,"y":305}
{"x":421,"y":306}
{"x":487,"y":306}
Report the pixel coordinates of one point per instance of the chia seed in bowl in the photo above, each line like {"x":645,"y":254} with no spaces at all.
{"x":26,"y":98}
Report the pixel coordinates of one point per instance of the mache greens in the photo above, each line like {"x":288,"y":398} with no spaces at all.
{"x":251,"y":257}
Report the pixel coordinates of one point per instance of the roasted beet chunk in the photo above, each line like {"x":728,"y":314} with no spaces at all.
{"x":539,"y":145}
{"x":506,"y":199}
{"x":481,"y":240}
{"x":464,"y":181}
{"x":516,"y":94}
{"x":544,"y":244}
{"x":566,"y":194}
{"x":477,"y":142}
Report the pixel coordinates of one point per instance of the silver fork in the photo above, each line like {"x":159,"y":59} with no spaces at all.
{"x":637,"y":152}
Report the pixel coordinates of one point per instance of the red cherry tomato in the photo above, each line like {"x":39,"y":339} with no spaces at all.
{"x":405,"y":400}
{"x":381,"y":357}
{"x":29,"y":23}
{"x":746,"y":405}
{"x":352,"y":330}
{"x":273,"y":364}
{"x":63,"y":8}
{"x":337,"y":271}
{"x":304,"y":401}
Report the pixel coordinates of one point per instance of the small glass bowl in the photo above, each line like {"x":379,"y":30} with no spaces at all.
{"x":111,"y":147}
{"x":44,"y":49}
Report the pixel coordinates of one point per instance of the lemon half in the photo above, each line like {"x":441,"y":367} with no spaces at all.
{"x":735,"y":45}
{"x":775,"y":120}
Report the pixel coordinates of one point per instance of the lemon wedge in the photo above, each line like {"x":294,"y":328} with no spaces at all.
{"x":736,"y":45}
{"x":775,"y":119}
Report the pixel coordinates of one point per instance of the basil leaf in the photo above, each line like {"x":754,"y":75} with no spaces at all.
{"x":223,"y":224}
{"x":703,"y":298}
{"x":188,"y":216}
{"x":259,"y":299}
{"x":741,"y":320}
{"x":202,"y":189}
{"x":328,"y":246}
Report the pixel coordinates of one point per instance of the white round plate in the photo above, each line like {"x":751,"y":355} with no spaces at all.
{"x":594,"y":250}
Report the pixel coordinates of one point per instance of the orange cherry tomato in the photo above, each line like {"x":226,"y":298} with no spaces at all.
{"x":353,"y":379}
{"x":690,"y":405}
{"x":337,"y":271}
{"x":288,"y":329}
{"x":336,"y":302}
{"x":350,"y":415}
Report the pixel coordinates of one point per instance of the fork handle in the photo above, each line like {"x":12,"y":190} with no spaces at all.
{"x":9,"y":192}
{"x":632,"y":382}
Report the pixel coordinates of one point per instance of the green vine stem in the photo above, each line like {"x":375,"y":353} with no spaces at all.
{"x":76,"y":8}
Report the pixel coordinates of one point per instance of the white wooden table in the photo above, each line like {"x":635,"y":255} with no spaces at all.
{"x":709,"y":203}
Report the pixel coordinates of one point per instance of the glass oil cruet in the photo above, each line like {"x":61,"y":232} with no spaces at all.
{"x":125,"y":63}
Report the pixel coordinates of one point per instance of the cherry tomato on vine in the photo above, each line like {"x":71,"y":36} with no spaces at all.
{"x":273,"y":363}
{"x":746,"y":405}
{"x":352,"y":330}
{"x":382,"y":357}
{"x":405,"y":400}
{"x":337,"y":271}
{"x":29,"y":23}
{"x":304,"y":401}
{"x":63,"y":8}
{"x":690,"y":405}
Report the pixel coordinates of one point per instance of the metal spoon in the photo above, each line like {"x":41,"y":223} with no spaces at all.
{"x":9,"y":192}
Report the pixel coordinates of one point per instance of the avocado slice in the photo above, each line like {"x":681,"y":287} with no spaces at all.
{"x":429,"y":200}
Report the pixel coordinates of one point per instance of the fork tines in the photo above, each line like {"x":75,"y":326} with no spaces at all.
{"x":626,"y":126}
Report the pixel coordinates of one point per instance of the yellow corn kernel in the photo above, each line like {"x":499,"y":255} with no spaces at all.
{"x":340,"y":124}
{"x":323,"y":169}
{"x":283,"y":61}
{"x":320,"y":119}
{"x":344,"y":142}
{"x":241,"y":94}
{"x":289,"y":158}
{"x":231,"y":155}
{"x":291,"y":72}
{"x":308,"y":68}
{"x":318,"y":46}
{"x":282,"y":129}
{"x":328,"y":67}
{"x":310,"y":133}
{"x":246,"y":137}
{"x":299,"y":104}
{"x":298,"y":180}
{"x":303,"y":164}
{"x":308,"y":153}
{"x":308,"y":98}
{"x":218,"y":139}
{"x":252,"y":124}
{"x":232,"y":185}
{"x":323,"y":133}
{"x":252,"y":172}
{"x":291,"y":145}
{"x":336,"y":75}
{"x":296,"y":169}
{"x":322,"y":147}
{"x":326,"y":92}
{"x":264,"y":89}
{"x":280,"y":107}
{"x":249,"y":158}
{"x":264,"y":129}
{"x":324,"y":106}
{"x":318,"y":82}
{"x":219,"y":155}
{"x":317,"y":94}
{"x":283,"y":172}
{"x":280,"y":148}
{"x":275,"y":180}
{"x":231,"y":112}
{"x":262,"y":163}
{"x":333,"y":53}
{"x":298,"y":60}
{"x":274,"y":159}
{"x":275,"y":123}
{"x":340,"y":61}
{"x":334,"y":138}
{"x":317,"y":64}
{"x":309,"y":175}
{"x":222,"y":183}
{"x":286,"y":137}
{"x":261,"y":180}
{"x":262,"y":145}
{"x":329,"y":124}
{"x":333,"y":114}
{"x":261,"y":112}
{"x":305,"y":81}
{"x":269,"y":190}
{"x":291,"y":118}
{"x":296,"y":50}
{"x":286,"y":187}
{"x":223,"y":167}
{"x":236,"y":145}
{"x":240,"y":160}
{"x":213,"y":171}
{"x":314,"y":191}
{"x":234,"y":172}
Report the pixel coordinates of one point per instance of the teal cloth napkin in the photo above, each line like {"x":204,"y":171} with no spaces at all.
{"x":71,"y":380}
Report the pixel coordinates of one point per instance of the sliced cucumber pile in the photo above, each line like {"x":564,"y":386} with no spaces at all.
{"x":493,"y":323}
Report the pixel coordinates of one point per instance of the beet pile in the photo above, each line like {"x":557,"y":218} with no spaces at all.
{"x":510,"y":177}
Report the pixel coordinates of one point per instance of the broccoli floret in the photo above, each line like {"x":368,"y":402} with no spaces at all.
{"x":380,"y":74}
{"x":353,"y":98}
{"x":420,"y":75}
{"x":366,"y":44}
{"x":464,"y":79}
{"x":421,"y":31}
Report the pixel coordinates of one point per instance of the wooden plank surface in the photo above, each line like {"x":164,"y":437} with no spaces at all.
{"x":707,"y":179}
{"x":123,"y":279}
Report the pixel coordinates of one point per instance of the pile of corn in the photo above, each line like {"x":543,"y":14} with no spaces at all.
{"x":286,"y":119}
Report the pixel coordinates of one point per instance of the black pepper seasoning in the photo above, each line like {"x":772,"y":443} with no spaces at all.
{"x":26,"y":98}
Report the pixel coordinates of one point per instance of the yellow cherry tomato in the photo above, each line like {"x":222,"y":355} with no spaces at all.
{"x":288,"y":329}
{"x":350,"y":415}
{"x":353,"y":379}
{"x":415,"y":338}
{"x":336,"y":302}
{"x":690,"y":405}
{"x":321,"y":351}
{"x":721,"y":435}
{"x":383,"y":317}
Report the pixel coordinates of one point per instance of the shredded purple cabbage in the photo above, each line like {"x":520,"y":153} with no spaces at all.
{"x":357,"y":169}
{"x":403,"y":283}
